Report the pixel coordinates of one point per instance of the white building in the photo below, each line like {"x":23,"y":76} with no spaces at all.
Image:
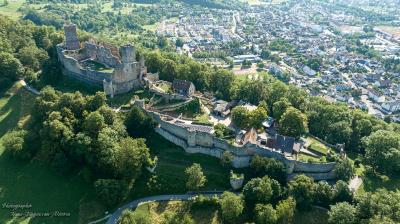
{"x":391,"y":106}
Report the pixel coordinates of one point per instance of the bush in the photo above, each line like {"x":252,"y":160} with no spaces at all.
{"x":201,"y":202}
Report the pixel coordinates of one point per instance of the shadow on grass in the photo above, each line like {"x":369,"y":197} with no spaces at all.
{"x":47,"y":192}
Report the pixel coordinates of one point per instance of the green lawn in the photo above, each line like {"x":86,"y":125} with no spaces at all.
{"x":170,"y":171}
{"x":318,"y":146}
{"x":34,"y":184}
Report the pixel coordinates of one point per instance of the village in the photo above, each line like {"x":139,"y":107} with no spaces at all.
{"x":321,"y":50}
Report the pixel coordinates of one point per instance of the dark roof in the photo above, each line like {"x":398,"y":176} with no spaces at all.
{"x":283,"y":143}
{"x":181,"y":85}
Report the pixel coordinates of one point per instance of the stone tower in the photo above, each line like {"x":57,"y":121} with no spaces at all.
{"x":128,"y":54}
{"x":71,"y":37}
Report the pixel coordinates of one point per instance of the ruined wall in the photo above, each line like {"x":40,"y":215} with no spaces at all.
{"x":100,"y":54}
{"x":168,"y":96}
{"x":73,"y":69}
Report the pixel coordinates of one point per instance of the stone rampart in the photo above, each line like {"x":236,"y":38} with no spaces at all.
{"x":207,"y":143}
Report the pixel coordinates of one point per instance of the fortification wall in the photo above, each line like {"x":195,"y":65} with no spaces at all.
{"x":206,"y":143}
{"x":316,"y":176}
{"x":313,"y":167}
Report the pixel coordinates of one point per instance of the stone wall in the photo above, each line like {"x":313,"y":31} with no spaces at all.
{"x":206,"y":143}
{"x":167,"y":96}
{"x":101,"y":54}
{"x":74,"y":69}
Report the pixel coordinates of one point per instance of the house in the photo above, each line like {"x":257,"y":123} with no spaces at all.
{"x":376,"y":96}
{"x":391,"y":106}
{"x":183,"y":87}
{"x":247,"y":136}
{"x":223,"y":108}
{"x":285,"y":144}
{"x":309,"y":71}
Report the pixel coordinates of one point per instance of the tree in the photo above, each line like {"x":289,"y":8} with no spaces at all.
{"x":138,"y":123}
{"x":111,"y":191}
{"x":32,"y":57}
{"x":195,"y":177}
{"x":257,"y":116}
{"x":342,"y":213}
{"x":341,"y":192}
{"x":382,"y":151}
{"x":179,"y":42}
{"x":231,"y":206}
{"x":344,"y":170}
{"x":240,"y":117}
{"x":285,"y":210}
{"x":14,"y":144}
{"x":10,"y":67}
{"x":382,"y":203}
{"x":130,"y":217}
{"x":293,"y":123}
{"x":280,"y":107}
{"x":261,"y":190}
{"x":265,"y":214}
{"x":323,"y":194}
{"x":269,"y":166}
{"x":227,"y":159}
{"x":301,"y":188}
{"x":93,"y":123}
{"x":131,"y":156}
{"x":340,"y":132}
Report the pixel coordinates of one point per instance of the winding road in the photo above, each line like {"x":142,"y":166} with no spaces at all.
{"x":113,"y":218}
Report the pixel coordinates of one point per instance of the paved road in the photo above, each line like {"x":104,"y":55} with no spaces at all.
{"x":133,"y":204}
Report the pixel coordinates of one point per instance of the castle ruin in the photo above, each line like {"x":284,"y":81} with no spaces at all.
{"x":116,"y":70}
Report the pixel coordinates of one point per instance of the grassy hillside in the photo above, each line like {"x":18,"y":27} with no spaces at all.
{"x":11,"y":9}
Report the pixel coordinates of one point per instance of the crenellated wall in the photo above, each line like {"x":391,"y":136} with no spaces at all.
{"x":207,"y":143}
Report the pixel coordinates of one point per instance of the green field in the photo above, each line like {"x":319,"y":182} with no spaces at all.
{"x":11,"y":9}
{"x":33,"y":183}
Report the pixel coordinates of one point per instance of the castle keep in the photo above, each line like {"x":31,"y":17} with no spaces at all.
{"x":116,"y":70}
